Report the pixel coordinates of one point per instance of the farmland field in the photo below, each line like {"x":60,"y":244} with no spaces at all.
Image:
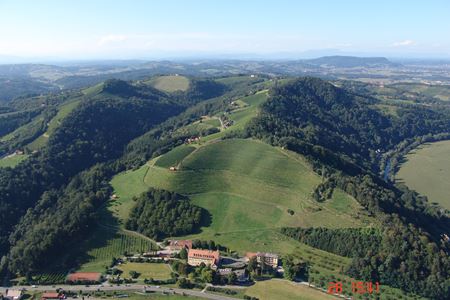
{"x":284,"y":290}
{"x":49,"y":278}
{"x":171,"y":83}
{"x":427,"y":170}
{"x":441,"y":92}
{"x":126,"y":185}
{"x":174,"y":157}
{"x":12,"y":161}
{"x":158,"y":271}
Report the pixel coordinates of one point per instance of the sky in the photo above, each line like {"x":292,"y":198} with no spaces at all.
{"x":138,"y":29}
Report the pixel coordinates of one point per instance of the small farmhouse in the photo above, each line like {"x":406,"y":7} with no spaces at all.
{"x":177,"y":245}
{"x":52,"y":296}
{"x":269,"y":259}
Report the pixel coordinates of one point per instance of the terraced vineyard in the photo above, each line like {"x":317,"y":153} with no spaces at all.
{"x":107,"y":243}
{"x":49,"y":278}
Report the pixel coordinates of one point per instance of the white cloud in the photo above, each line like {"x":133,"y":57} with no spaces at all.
{"x":405,"y":43}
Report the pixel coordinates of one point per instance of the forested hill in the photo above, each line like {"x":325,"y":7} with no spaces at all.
{"x":343,"y":136}
{"x":96,"y":131}
{"x":324,"y":115}
{"x":55,"y":193}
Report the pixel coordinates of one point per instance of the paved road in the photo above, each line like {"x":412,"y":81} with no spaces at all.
{"x":131,"y":288}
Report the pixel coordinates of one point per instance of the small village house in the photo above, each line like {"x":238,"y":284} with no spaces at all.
{"x":52,"y":296}
{"x":269,"y":259}
{"x":177,"y":245}
{"x":198,"y":256}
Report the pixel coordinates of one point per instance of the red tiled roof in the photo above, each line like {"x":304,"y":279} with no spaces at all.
{"x":50,"y":296}
{"x":84,"y":276}
{"x":181,"y":243}
{"x":204,"y":254}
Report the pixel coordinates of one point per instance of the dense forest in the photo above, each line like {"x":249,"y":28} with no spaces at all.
{"x":95,"y":132}
{"x":321,"y":114}
{"x":350,"y":242}
{"x":93,"y":139}
{"x":159,"y":214}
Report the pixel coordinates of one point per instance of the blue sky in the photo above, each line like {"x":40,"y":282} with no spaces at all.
{"x":164,"y":28}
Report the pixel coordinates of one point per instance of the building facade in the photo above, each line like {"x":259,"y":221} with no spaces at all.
{"x":198,"y":256}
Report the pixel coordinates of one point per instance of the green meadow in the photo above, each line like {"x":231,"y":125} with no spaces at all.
{"x":12,"y":161}
{"x":427,"y":170}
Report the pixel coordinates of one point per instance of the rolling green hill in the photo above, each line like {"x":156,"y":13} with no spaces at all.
{"x":248,"y":187}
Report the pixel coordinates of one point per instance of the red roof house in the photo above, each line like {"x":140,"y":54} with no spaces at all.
{"x":199,"y":256}
{"x":48,"y":296}
{"x":178,"y":245}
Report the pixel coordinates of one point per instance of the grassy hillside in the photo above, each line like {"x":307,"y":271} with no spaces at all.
{"x":248,"y":187}
{"x":427,"y":170}
{"x":170,"y":83}
{"x":63,"y":111}
{"x":11,"y":161}
{"x":174,"y":157}
{"x":229,"y":176}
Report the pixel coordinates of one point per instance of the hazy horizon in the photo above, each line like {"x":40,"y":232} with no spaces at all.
{"x":51,"y":30}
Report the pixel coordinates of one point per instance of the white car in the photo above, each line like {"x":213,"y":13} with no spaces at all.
{"x":34,"y":286}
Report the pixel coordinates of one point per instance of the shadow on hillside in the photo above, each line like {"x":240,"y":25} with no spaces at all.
{"x":205,"y":221}
{"x":95,"y":236}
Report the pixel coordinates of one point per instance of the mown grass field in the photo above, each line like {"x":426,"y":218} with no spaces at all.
{"x":126,"y":185}
{"x":158,"y":271}
{"x":427,"y":170}
{"x":285,"y":290}
{"x":174,"y":157}
{"x":170,"y":83}
{"x":12,"y":161}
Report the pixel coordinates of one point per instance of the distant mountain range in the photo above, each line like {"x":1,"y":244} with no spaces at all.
{"x":351,"y":61}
